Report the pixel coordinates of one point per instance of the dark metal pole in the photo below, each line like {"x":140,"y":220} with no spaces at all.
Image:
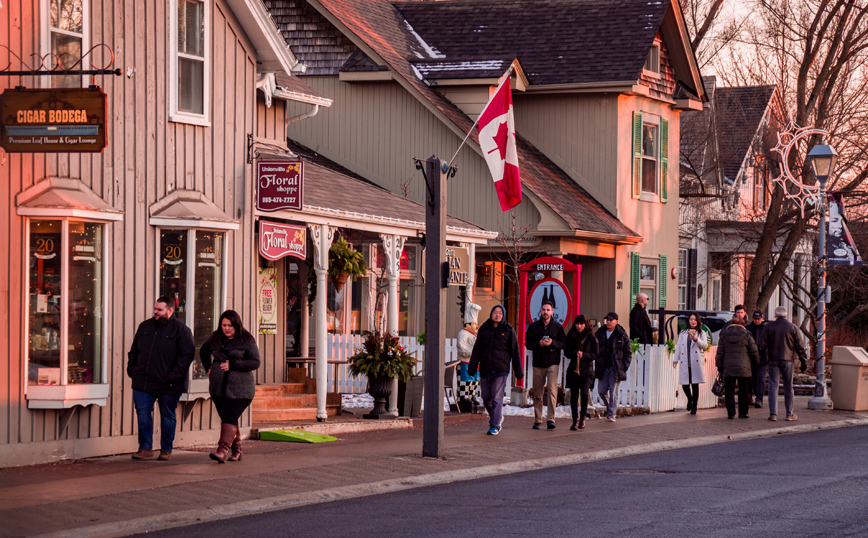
{"x":821,"y":399}
{"x":435,"y":313}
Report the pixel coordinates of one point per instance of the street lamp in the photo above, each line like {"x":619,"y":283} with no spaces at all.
{"x":822,"y":158}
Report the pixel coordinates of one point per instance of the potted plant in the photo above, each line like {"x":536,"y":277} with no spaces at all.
{"x":345,"y":262}
{"x":382,"y":359}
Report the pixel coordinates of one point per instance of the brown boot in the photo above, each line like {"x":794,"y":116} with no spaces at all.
{"x":227,"y":434}
{"x":236,"y":447}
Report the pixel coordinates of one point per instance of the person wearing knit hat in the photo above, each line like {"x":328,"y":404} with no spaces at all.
{"x":496,"y":349}
{"x":467,"y":384}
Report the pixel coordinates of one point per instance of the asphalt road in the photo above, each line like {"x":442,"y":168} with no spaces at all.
{"x":812,"y":484}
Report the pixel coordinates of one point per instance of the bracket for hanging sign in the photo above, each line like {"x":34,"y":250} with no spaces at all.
{"x":60,"y":66}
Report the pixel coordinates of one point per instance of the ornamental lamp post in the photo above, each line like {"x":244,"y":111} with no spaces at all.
{"x":822,"y":158}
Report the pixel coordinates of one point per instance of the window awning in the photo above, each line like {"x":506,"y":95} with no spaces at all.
{"x":190,"y":209}
{"x":61,"y":197}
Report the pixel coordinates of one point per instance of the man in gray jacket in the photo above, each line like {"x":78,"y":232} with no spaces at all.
{"x":782,"y":342}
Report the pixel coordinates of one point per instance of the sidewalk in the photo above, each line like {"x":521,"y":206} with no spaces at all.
{"x":116,"y":496}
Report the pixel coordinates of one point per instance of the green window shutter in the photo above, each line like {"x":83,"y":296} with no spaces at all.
{"x":664,"y":160}
{"x":637,"y":154}
{"x":661,"y":282}
{"x":634,"y":276}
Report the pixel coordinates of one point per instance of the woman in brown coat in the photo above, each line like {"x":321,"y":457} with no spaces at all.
{"x":735,"y":353}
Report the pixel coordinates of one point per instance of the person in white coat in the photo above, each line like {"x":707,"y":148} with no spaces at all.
{"x":690,"y":354}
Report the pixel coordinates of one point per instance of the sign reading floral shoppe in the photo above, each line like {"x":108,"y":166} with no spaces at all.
{"x":279,"y":240}
{"x":279,"y":185}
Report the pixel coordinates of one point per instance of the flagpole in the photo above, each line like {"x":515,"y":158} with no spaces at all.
{"x":506,"y":79}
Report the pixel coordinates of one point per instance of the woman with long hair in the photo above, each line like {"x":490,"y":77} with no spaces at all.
{"x":582,"y":349}
{"x":690,"y":354}
{"x":230,"y":355}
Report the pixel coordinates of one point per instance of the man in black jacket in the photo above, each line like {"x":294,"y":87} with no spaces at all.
{"x":640,"y":323}
{"x":782,"y":342}
{"x":495,"y":350}
{"x":614,"y":360}
{"x":158,"y":362}
{"x":758,"y":372}
{"x":545,"y":338}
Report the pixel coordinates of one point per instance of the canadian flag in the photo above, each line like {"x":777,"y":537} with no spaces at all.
{"x":497,"y":140}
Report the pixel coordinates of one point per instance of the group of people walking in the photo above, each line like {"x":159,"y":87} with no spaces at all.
{"x":604,"y":356}
{"x":158,"y":362}
{"x":744,"y":354}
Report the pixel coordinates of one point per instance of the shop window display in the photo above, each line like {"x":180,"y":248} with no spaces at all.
{"x":191,"y":273}
{"x":65,"y":322}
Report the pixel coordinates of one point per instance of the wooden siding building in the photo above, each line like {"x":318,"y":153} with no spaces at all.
{"x":89,"y":240}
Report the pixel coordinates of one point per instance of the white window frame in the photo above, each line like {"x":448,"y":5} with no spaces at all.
{"x":64,"y":396}
{"x":196,"y":388}
{"x":645,"y":284}
{"x":683,"y":278}
{"x":45,"y":38}
{"x":652,"y":61}
{"x":648,"y":196}
{"x":175,"y":115}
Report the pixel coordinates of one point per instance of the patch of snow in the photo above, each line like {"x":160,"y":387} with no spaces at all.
{"x":463,"y":66}
{"x":432,"y":52}
{"x":419,"y":75}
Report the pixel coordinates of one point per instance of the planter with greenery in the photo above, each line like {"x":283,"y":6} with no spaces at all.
{"x":382,"y":359}
{"x":345,"y":262}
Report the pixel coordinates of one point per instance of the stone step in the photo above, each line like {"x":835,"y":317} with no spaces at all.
{"x":261,"y":416}
{"x":284,"y":402}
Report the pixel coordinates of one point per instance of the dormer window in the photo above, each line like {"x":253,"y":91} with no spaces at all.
{"x":652,"y":62}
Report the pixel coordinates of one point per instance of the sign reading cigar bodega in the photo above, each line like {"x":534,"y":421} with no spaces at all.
{"x":53,"y":120}
{"x":279,"y":240}
{"x":279,"y":185}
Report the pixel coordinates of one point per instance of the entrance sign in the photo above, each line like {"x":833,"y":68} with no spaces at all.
{"x":279,"y":240}
{"x":53,"y":120}
{"x":552,"y":289}
{"x":459,"y":265}
{"x":279,"y":185}
{"x":267,"y":300}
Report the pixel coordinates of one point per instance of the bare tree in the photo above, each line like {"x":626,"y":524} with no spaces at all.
{"x":815,"y":52}
{"x":711,"y":29}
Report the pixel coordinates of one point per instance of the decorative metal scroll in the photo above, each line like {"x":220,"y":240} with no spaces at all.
{"x":56,"y":65}
{"x":787,"y":140}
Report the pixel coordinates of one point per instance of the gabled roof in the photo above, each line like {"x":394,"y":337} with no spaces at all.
{"x":739,"y":113}
{"x":585,"y":41}
{"x":272,"y":52}
{"x":383,"y":35}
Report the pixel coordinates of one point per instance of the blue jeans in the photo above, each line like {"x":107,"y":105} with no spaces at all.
{"x":760,"y":388}
{"x":144,"y":402}
{"x":778,"y":369}
{"x":608,"y":391}
{"x":492,"y":397}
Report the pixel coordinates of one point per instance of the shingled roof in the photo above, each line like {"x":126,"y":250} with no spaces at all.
{"x":739,"y":112}
{"x":586,"y":41}
{"x":330,"y":186}
{"x":383,"y":30}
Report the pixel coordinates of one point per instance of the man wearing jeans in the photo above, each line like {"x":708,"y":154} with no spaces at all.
{"x":158,"y":362}
{"x":782,"y":342}
{"x":612,"y":364}
{"x":545,"y":338}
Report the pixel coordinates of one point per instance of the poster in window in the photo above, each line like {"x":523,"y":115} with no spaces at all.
{"x":267,"y":296}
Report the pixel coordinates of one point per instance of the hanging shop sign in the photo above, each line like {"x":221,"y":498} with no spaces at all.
{"x":267,"y":300}
{"x":53,"y":120}
{"x":459,"y":266}
{"x":279,"y":240}
{"x":279,"y":185}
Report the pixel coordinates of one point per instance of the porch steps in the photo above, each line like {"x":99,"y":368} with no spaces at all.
{"x":294,"y":400}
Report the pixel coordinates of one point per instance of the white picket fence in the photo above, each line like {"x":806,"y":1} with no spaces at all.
{"x":651,"y":382}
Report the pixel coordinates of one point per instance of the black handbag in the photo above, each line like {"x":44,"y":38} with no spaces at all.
{"x":717,"y":387}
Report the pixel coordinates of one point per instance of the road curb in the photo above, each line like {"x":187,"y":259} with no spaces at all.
{"x":281,"y":502}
